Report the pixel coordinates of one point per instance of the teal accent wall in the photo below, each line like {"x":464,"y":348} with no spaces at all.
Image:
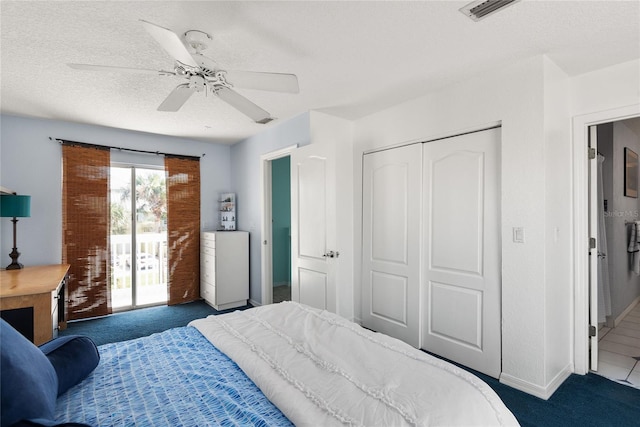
{"x":281,"y":214}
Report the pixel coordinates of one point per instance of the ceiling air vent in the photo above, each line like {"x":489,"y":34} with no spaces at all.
{"x":480,"y":9}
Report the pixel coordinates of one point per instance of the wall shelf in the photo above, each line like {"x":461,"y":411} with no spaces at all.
{"x":227,"y":212}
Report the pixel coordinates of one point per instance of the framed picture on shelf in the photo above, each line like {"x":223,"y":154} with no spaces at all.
{"x":630,"y":173}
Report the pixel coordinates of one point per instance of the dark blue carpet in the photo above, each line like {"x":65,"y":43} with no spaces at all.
{"x":128,"y":325}
{"x":582,"y":400}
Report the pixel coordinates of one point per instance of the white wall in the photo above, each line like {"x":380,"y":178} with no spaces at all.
{"x":327,"y":129}
{"x":309,"y":128}
{"x":558,"y":296}
{"x":606,"y":89}
{"x":245,"y":182}
{"x":31,"y":164}
{"x":601,"y":96}
{"x":513,"y":96}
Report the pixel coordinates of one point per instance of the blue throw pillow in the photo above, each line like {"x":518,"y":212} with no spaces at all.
{"x":73,"y":357}
{"x":28,"y":381}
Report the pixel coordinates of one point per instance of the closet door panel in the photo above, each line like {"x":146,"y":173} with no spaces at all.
{"x":461,"y":264}
{"x":389,"y":297}
{"x":391,"y":242}
{"x":447,"y":323}
{"x":389,"y":214}
{"x":457,"y":195}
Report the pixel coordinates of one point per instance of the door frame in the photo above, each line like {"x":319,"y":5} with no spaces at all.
{"x":267,"y":220}
{"x":580,"y":246}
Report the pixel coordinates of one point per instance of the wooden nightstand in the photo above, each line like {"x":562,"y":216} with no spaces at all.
{"x":33,"y":300}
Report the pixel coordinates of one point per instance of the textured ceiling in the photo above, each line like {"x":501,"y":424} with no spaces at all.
{"x":351,"y":58}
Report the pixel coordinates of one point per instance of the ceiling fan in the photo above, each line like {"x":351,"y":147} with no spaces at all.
{"x":203,"y":74}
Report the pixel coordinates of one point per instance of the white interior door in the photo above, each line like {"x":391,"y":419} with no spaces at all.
{"x":462,"y":280}
{"x":313,"y":226}
{"x":391,"y":242}
{"x":593,"y":249}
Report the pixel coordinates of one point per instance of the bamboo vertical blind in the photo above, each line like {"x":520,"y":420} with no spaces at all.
{"x":85,"y":229}
{"x":183,"y":228}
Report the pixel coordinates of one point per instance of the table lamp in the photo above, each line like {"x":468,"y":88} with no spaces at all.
{"x":15,"y":206}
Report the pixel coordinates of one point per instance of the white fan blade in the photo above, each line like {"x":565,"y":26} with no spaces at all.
{"x":205,"y":63}
{"x":88,"y":67}
{"x":170,"y":42}
{"x":243,"y":105}
{"x":276,"y":82}
{"x":177,"y":98}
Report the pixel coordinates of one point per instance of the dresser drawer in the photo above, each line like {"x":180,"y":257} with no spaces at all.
{"x":208,"y":292}
{"x":207,"y":251}
{"x":208,"y":240}
{"x":208,"y":272}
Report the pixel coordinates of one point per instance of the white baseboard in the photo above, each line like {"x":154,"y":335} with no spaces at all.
{"x":534,"y":389}
{"x":619,"y":319}
{"x":254,"y":303}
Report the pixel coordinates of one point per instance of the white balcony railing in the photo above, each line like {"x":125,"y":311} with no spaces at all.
{"x":150,"y":269}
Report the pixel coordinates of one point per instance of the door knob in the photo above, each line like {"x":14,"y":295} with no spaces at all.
{"x":332,"y":254}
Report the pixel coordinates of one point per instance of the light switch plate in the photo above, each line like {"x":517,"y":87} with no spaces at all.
{"x":518,"y":234}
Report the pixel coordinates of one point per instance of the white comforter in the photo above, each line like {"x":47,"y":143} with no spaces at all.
{"x":322,"y":370}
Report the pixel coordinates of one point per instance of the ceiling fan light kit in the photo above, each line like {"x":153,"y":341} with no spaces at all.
{"x":203,"y":74}
{"x":198,"y":40}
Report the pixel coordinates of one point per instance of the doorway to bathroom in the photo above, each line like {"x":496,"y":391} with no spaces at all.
{"x":616,"y":267}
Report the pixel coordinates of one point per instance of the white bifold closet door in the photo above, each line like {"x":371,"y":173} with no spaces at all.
{"x":431,"y":247}
{"x":391,"y":242}
{"x":461,"y":240}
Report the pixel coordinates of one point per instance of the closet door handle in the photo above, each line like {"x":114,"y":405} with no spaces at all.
{"x":331,"y":254}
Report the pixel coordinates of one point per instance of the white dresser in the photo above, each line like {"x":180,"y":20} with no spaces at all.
{"x":224,"y":268}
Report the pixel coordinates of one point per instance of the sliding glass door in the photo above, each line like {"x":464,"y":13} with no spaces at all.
{"x":138,"y":241}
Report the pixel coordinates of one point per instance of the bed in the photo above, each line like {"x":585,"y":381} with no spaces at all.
{"x":277,"y":365}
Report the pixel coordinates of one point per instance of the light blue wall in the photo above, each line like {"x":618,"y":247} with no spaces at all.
{"x":281,"y":215}
{"x":30,"y":163}
{"x":245,"y":181}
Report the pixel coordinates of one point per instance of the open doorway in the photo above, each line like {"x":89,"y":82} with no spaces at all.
{"x":276,"y":226}
{"x":585,"y":325}
{"x":617,"y":145}
{"x":281,"y":228}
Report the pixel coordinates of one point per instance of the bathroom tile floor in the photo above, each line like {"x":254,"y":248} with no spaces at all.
{"x":619,"y":350}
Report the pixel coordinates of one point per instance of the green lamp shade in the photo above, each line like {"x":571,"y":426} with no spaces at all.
{"x":12,"y":205}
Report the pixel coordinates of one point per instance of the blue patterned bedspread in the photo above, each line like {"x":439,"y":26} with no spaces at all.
{"x":173,"y":378}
